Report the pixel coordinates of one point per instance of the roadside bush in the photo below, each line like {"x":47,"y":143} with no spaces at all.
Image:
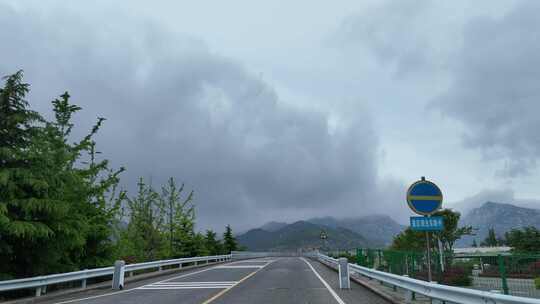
{"x":514,"y":271}
{"x":534,"y":268}
{"x":350,"y":257}
{"x":457,"y":277}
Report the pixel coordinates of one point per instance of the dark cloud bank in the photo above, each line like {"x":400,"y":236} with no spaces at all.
{"x":174,"y":108}
{"x":492,"y":65}
{"x":495,"y":90}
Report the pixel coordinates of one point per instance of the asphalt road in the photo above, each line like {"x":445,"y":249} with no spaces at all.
{"x":261,"y":281}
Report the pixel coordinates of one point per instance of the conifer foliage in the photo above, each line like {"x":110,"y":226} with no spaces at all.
{"x":61,"y":206}
{"x":54,"y":213}
{"x":229,"y":241}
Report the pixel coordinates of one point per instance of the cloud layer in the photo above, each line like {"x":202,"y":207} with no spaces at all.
{"x":175,"y":108}
{"x":360,"y":82}
{"x":494,"y":90}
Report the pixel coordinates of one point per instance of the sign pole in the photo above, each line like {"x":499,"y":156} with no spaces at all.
{"x":441,"y":253}
{"x":428,"y":257}
{"x":425,"y":198}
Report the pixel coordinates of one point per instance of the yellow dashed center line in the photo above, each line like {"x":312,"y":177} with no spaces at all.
{"x":219,"y":294}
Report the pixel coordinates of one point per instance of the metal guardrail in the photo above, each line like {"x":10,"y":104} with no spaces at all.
{"x":449,"y":294}
{"x":239,"y":255}
{"x":430,"y":289}
{"x":41,"y":282}
{"x":161,"y":263}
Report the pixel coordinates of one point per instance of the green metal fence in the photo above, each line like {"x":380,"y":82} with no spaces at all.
{"x":515,"y":274}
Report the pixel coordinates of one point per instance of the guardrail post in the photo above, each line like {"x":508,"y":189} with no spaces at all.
{"x":344,"y":282}
{"x":83,"y":282}
{"x":409,"y":296}
{"x":38,"y":291}
{"x":118,"y":275}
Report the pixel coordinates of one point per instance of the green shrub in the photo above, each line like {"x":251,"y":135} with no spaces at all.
{"x":537,"y":283}
{"x":462,"y":280}
{"x":457,"y":277}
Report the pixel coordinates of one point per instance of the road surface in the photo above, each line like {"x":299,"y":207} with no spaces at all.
{"x":289,"y":280}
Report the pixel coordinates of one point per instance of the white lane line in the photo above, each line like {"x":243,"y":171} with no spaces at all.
{"x":94,"y":297}
{"x":240,"y":266}
{"x":172,"y":285}
{"x":250,"y":261}
{"x":191,"y":283}
{"x":188,"y":285}
{"x":332,"y":292}
{"x":128,"y":290}
{"x":219,"y":294}
{"x":184,"y":287}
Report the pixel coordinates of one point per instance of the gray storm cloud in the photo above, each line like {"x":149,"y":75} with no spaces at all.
{"x":485,"y":62}
{"x":395,"y":33}
{"x":494,"y":90}
{"x":175,"y":108}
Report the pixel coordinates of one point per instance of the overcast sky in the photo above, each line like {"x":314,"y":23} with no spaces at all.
{"x":284,"y":110}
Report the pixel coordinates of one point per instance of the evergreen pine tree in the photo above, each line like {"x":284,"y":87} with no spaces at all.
{"x":52,"y":208}
{"x":23,"y":216}
{"x":180,"y":218}
{"x":143,"y":231}
{"x":229,"y":241}
{"x":491,"y":239}
{"x":200,"y":245}
{"x":213,"y":245}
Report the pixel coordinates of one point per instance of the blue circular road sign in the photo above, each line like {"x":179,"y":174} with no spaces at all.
{"x":424,"y":197}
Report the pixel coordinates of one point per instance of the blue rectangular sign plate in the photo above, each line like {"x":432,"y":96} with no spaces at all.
{"x":424,"y":223}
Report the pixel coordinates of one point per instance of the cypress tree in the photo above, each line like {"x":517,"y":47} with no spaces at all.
{"x":180,"y":220}
{"x":213,"y":245}
{"x":146,"y":216}
{"x":56,"y":212}
{"x":229,"y":241}
{"x":26,"y":211}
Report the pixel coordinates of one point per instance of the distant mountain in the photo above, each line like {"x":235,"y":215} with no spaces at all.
{"x":301,"y":235}
{"x":273,"y":226}
{"x":379,"y":229}
{"x":500,"y":217}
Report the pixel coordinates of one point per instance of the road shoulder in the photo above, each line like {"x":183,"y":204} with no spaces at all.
{"x":355,"y":294}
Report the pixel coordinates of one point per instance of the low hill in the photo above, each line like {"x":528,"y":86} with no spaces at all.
{"x":378,"y":229}
{"x":273,"y":226}
{"x":500,"y":217}
{"x":301,"y":235}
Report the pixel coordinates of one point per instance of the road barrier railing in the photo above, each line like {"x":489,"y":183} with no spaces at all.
{"x":241,"y":255}
{"x":447,"y":294}
{"x":40,"y":283}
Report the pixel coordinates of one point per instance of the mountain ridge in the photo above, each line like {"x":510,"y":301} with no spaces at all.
{"x":301,"y":235}
{"x":378,"y":228}
{"x":502,"y":217}
{"x":374,"y":230}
